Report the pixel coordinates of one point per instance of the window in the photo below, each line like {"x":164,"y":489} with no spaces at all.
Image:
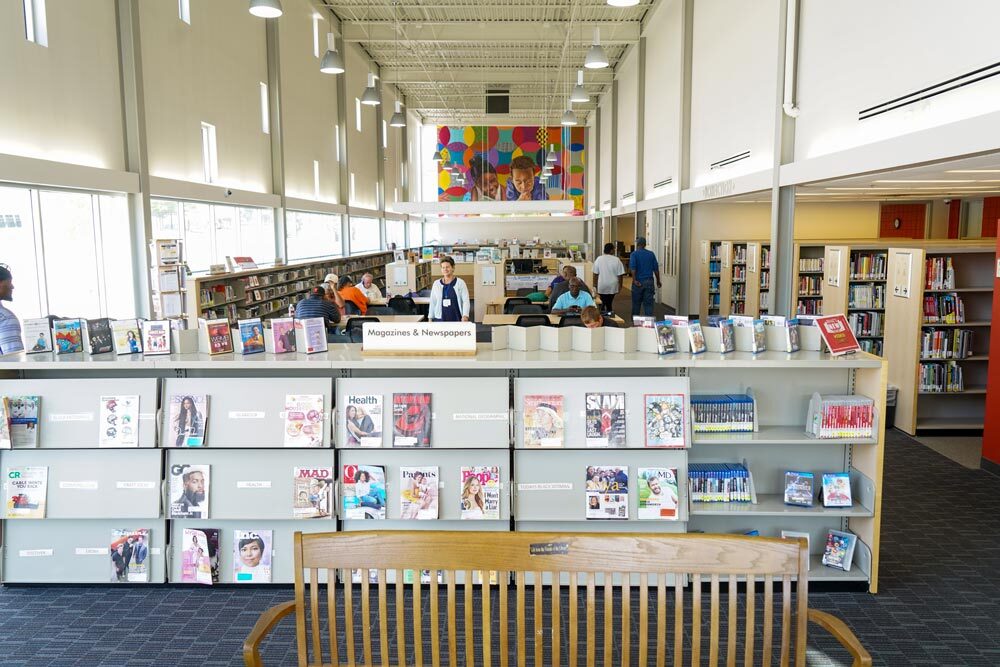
{"x":184,"y":10}
{"x":316,"y":20}
{"x":35,"y":25}
{"x":265,"y":113}
{"x":21,"y":252}
{"x":395,"y":195}
{"x":312,"y":235}
{"x":209,"y":153}
{"x":316,"y":179}
{"x":432,"y":233}
{"x":357,"y":114}
{"x":416,"y":233}
{"x":365,"y":235}
{"x":395,"y":232}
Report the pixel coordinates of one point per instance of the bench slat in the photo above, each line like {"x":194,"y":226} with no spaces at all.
{"x":349,"y":615}
{"x":609,"y":618}
{"x":713,"y":636}
{"x":696,"y":621}
{"x":504,"y":643}
{"x":383,"y":619}
{"x":643,"y":618}
{"x":366,"y":618}
{"x":317,"y":640}
{"x":300,"y":604}
{"x":802,"y":591}
{"x":591,"y":619}
{"x":768,"y":617}
{"x":487,"y":601}
{"x":452,"y":625}
{"x":733,"y":622}
{"x":786,"y":619}
{"x":574,"y":620}
{"x":331,"y":605}
{"x":521,"y":630}
{"x":751,"y":622}
{"x":400,"y":613}
{"x":435,"y":629}
{"x":470,"y":644}
{"x":418,"y":625}
{"x":626,"y":633}
{"x":556,"y":631}
{"x":678,"y":621}
{"x":538,"y":625}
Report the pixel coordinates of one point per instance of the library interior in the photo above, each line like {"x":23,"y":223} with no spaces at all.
{"x":339,"y":262}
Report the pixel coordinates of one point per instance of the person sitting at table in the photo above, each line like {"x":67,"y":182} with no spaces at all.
{"x":574,"y":300}
{"x":319,"y":303}
{"x":348,"y":292}
{"x":371,"y":290}
{"x":331,"y":290}
{"x":449,"y":296}
{"x":592,"y":318}
{"x":560,"y":288}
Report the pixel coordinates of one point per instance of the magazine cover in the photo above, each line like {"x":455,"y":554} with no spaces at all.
{"x":696,"y":338}
{"x":5,"y":440}
{"x":658,"y":497}
{"x":200,"y":556}
{"x":792,"y":534}
{"x":68,"y":336}
{"x":26,"y":490}
{"x":130,"y":555}
{"x":411,"y":420}
{"x":23,"y":413}
{"x":363,"y":420}
{"x":189,"y":491}
{"x":251,"y":335}
{"x":304,"y":420}
{"x":310,"y":335}
{"x":187,"y":417}
{"x":607,"y":492}
{"x":665,"y":420}
{"x":665,"y":343}
{"x":605,"y":419}
{"x":363,"y":491}
{"x":37,"y":335}
{"x":127,"y":336}
{"x":759,"y":341}
{"x":543,"y":420}
{"x":119,"y":425}
{"x":283,"y":335}
{"x":418,"y":492}
{"x":252,"y":556}
{"x":799,"y":488}
{"x":312,"y":493}
{"x":220,"y":339}
{"x":156,"y":337}
{"x":839,"y":551}
{"x":480,"y":492}
{"x":837,"y":489}
{"x":99,"y":335}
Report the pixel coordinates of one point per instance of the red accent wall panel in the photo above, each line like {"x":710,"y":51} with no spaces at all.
{"x":991,"y":212}
{"x":991,"y":429}
{"x":913,"y":219}
{"x":954,"y":213}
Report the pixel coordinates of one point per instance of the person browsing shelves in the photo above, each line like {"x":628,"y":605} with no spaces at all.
{"x":319,"y":303}
{"x":10,"y":326}
{"x":348,"y":292}
{"x":574,"y":300}
{"x":449,"y":296}
{"x":592,"y":318}
{"x":522,"y":185}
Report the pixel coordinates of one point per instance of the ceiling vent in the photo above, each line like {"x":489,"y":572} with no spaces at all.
{"x":927,"y":93}
{"x":497,"y":101}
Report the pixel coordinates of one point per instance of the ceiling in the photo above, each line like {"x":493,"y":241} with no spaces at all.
{"x":447,"y":53}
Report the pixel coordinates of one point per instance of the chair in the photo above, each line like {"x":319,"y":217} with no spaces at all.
{"x":355,"y":325}
{"x":403,"y":305}
{"x":525,"y":291}
{"x":571,"y":321}
{"x":527,"y":308}
{"x":380,"y":310}
{"x":511,"y":302}
{"x":532,"y":321}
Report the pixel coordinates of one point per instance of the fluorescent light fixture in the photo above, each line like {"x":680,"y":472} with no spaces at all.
{"x":568,"y":118}
{"x":266,"y":9}
{"x":333,"y":62}
{"x":579,"y":93}
{"x":398,"y":119}
{"x":596,"y":57}
{"x":623,"y":3}
{"x":938,"y":180}
{"x":371,"y":96}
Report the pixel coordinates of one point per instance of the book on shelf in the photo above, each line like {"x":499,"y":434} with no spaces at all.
{"x":279,"y":337}
{"x":696,"y":337}
{"x":810,"y":264}
{"x":200,"y":556}
{"x":793,"y":534}
{"x":606,"y":488}
{"x":839,"y":550}
{"x":866,"y":296}
{"x":836,"y":332}
{"x":665,"y":422}
{"x":156,"y":337}
{"x":363,"y":491}
{"x":480,"y":492}
{"x":940,"y":273}
{"x":665,"y":343}
{"x":67,"y":336}
{"x":941,"y":377}
{"x":363,"y":420}
{"x":119,"y":421}
{"x":26,"y":489}
{"x":799,"y":488}
{"x":252,"y":556}
{"x":605,"y":419}
{"x":943,"y":309}
{"x":37,"y":335}
{"x":187,"y":417}
{"x":129,"y":555}
{"x":543,"y":420}
{"x":946,"y":343}
{"x":22,"y":414}
{"x":724,"y":413}
{"x":127,"y":336}
{"x":720,"y":483}
{"x":312,"y":493}
{"x":189,"y":491}
{"x":304,"y":420}
{"x":850,"y":416}
{"x":867,"y":324}
{"x":97,"y":336}
{"x":658,"y":499}
{"x":418,"y":492}
{"x":411,"y":420}
{"x":837,"y":489}
{"x":250,"y":336}
{"x":310,"y":335}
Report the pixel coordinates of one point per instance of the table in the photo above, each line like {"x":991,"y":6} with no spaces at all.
{"x":499,"y":320}
{"x":495,"y":306}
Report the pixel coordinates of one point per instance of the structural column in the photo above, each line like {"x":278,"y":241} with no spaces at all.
{"x":277,"y":134}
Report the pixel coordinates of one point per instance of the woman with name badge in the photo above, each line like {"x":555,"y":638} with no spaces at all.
{"x":449,"y":295}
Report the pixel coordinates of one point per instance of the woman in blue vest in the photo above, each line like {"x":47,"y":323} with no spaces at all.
{"x":449,"y":295}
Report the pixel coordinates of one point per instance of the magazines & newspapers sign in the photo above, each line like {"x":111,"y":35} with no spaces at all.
{"x":420,"y":338}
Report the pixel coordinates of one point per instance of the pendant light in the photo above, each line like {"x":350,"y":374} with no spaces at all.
{"x":398,"y":119}
{"x":266,"y":9}
{"x":623,"y":3}
{"x":568,"y":117}
{"x":596,"y":57}
{"x":371,"y":95}
{"x":552,"y":153}
{"x":579,"y":93}
{"x":333,"y":62}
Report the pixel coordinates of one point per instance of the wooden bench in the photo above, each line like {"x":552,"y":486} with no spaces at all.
{"x":654,"y":564}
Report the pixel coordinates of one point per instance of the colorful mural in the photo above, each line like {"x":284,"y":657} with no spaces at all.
{"x":483,"y":155}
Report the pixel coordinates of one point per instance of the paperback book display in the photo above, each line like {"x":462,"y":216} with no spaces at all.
{"x":363,"y":491}
{"x":946,"y":344}
{"x":943,"y":377}
{"x":665,"y":425}
{"x":304,"y":420}
{"x":252,"y":556}
{"x":22,"y":415}
{"x":411,"y":420}
{"x":156,"y":337}
{"x":837,"y":489}
{"x":119,"y":425}
{"x":841,"y":417}
{"x":280,"y":337}
{"x":605,"y":416}
{"x":98,"y":336}
{"x":363,"y":420}
{"x":37,"y":335}
{"x":189,"y":487}
{"x":720,"y":483}
{"x":312,"y":493}
{"x":837,"y":334}
{"x":67,"y":336}
{"x":839,"y":552}
{"x":607,"y":492}
{"x":799,"y":488}
{"x":543,"y":420}
{"x":127,"y":336}
{"x":251,"y":336}
{"x":188,"y":419}
{"x":418,"y":492}
{"x":658,"y":494}
{"x":200,"y":556}
{"x":480,"y":492}
{"x":665,"y":343}
{"x":26,"y":489}
{"x":130,"y":556}
{"x":724,"y":413}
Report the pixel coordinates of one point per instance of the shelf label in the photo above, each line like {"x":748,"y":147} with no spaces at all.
{"x":147,"y":416}
{"x":31,"y":553}
{"x":549,"y":549}
{"x":135,"y":485}
{"x":258,"y":484}
{"x":155,"y":551}
{"x":71,"y":417}
{"x":247,"y":414}
{"x":91,"y":551}
{"x":546,"y":486}
{"x":83,"y":485}
{"x":430,"y":338}
{"x":480,"y":416}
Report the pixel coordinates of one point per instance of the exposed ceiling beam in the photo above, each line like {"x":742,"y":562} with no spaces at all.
{"x":505,"y":32}
{"x":498,"y":76}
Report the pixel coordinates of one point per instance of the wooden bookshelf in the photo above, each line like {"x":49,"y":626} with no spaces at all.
{"x":854,"y":281}
{"x":809,"y":264}
{"x":418,"y":277}
{"x":764,"y":280}
{"x":716,"y":278}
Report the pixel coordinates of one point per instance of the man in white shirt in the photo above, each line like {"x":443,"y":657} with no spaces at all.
{"x":608,"y":276}
{"x":10,"y":326}
{"x":370,"y":289}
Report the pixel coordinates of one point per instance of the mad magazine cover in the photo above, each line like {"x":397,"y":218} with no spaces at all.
{"x":304,"y":420}
{"x":363,"y":420}
{"x":607,"y":492}
{"x":189,"y":485}
{"x":200,"y":556}
{"x":605,"y":419}
{"x":26,"y":490}
{"x":411,"y":420}
{"x":187,"y":418}
{"x":119,"y":425}
{"x":363,"y":491}
{"x":480,"y":492}
{"x":543,"y":420}
{"x":658,"y":493}
{"x":130,"y":555}
{"x":312,"y":493}
{"x":665,"y":423}
{"x":418,"y":492}
{"x":252,"y":556}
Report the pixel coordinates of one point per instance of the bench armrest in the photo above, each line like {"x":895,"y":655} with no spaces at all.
{"x":842,"y":634}
{"x":264,"y":625}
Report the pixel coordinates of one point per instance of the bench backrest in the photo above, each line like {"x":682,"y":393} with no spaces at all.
{"x":575,"y":562}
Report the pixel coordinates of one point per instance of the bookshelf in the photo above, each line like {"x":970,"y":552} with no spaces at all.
{"x":716,"y":277}
{"x":738,"y":280}
{"x":764,"y":282}
{"x":854,"y":281}
{"x":809,"y":274}
{"x":417,"y":277}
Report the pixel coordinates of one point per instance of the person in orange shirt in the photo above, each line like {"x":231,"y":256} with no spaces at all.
{"x":348,"y":292}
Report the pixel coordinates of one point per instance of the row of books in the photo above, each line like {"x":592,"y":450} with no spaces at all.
{"x":765,"y":280}
{"x":868,"y":265}
{"x":835,"y":492}
{"x":866,"y":296}
{"x":714,"y":301}
{"x":946,"y":343}
{"x":720,"y":483}
{"x":720,"y":413}
{"x":739,"y":254}
{"x":210,"y":296}
{"x":738,"y":307}
{"x":278,"y":291}
{"x":810,"y":285}
{"x":809,"y":307}
{"x":263,"y":280}
{"x":832,"y":416}
{"x":739,"y":291}
{"x":940,"y":273}
{"x":714,"y":267}
{"x":867,"y":323}
{"x":713,"y":285}
{"x":739,"y":272}
{"x":943,"y":309}
{"x":943,"y":377}
{"x":810,"y":264}
{"x":872,"y":346}
{"x":765,"y":258}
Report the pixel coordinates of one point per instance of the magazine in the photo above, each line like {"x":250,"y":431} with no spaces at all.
{"x":799,"y":488}
{"x":130,"y":555}
{"x":26,"y":491}
{"x":759,"y":339}
{"x":791,"y":534}
{"x":189,"y":490}
{"x":252,"y":556}
{"x":200,"y":556}
{"x":605,"y":419}
{"x":411,"y":420}
{"x":480,"y":492}
{"x":665,"y":425}
{"x":312,"y":493}
{"x":363,"y":420}
{"x":543,"y":420}
{"x":188,"y":420}
{"x":310,"y":335}
{"x":251,"y":335}
{"x":727,"y":336}
{"x":665,"y":337}
{"x":119,"y":425}
{"x":220,"y":340}
{"x":607,"y":492}
{"x":418,"y":492}
{"x":696,"y":337}
{"x":67,"y":336}
{"x":363,"y":489}
{"x":99,"y":336}
{"x":839,"y":551}
{"x":304,"y":420}
{"x":837,"y":489}
{"x":37,"y":335}
{"x":5,"y":439}
{"x":127,"y":336}
{"x":23,"y":416}
{"x":658,"y":497}
{"x":282,"y":333}
{"x":156,"y":337}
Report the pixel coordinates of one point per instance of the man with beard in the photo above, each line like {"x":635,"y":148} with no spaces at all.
{"x":189,"y":503}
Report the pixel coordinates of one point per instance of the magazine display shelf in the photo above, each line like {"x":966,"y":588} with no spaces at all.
{"x":492,"y":382}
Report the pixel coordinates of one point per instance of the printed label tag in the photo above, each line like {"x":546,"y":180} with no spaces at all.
{"x":258,"y":484}
{"x":480,"y":416}
{"x":233,"y":414}
{"x":91,"y":551}
{"x":86,"y":485}
{"x":71,"y":417}
{"x":135,"y":485}
{"x":549,"y":549}
{"x":546,"y":486}
{"x":147,"y":416}
{"x":155,"y":551}
{"x":29,"y":553}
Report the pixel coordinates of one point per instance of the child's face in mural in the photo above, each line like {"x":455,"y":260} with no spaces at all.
{"x":489,"y":184}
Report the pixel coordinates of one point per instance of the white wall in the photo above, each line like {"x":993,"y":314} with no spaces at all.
{"x":393,"y":159}
{"x":468,"y":230}
{"x":606,"y":109}
{"x":662,"y":90}
{"x":361,"y":145}
{"x":591,"y":165}
{"x":415,"y":158}
{"x":62,"y":102}
{"x":627,"y":136}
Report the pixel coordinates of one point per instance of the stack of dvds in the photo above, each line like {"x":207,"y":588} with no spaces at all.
{"x":719,"y":483}
{"x":841,"y":417}
{"x":940,"y":274}
{"x":944,"y":309}
{"x":723,"y":413}
{"x":951,"y":344}
{"x":941,"y":378}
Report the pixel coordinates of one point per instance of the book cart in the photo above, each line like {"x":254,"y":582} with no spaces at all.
{"x":477,"y":419}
